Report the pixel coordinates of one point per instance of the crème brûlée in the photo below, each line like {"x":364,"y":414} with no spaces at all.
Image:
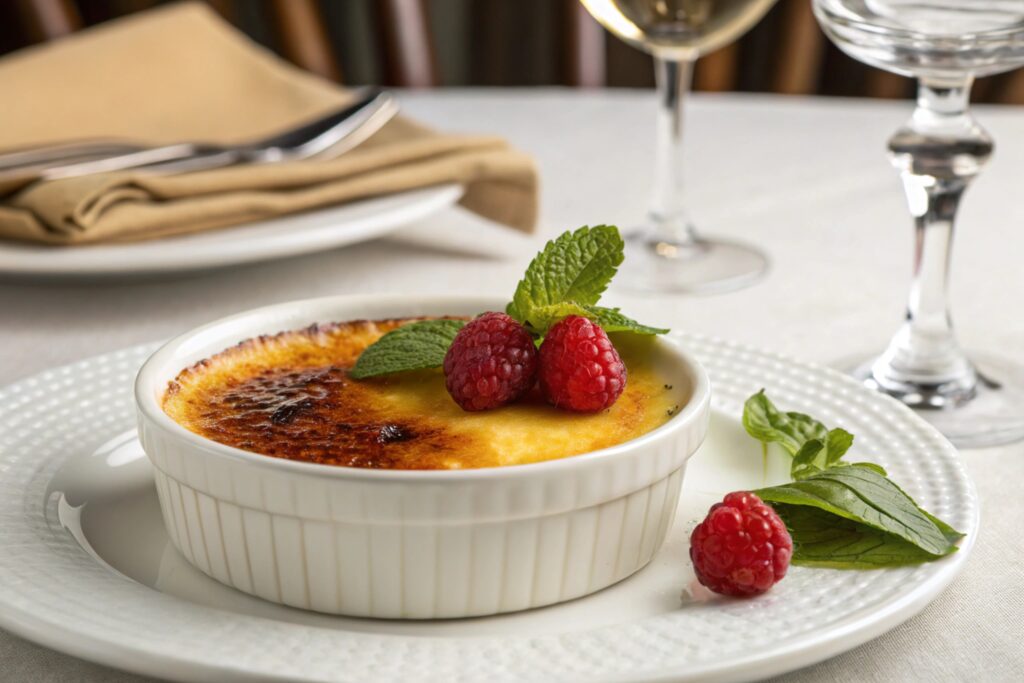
{"x":290,"y":396}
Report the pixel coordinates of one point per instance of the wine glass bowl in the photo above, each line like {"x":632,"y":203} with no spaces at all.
{"x":665,"y":253}
{"x":936,"y":40}
{"x":679,"y":29}
{"x":945,"y":44}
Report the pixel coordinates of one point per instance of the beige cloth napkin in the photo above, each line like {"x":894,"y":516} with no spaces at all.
{"x":181,"y":73}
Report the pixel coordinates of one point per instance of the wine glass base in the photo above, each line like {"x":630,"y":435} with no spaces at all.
{"x":992,"y":416}
{"x":698,"y":266}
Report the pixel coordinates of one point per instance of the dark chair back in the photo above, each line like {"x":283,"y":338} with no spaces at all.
{"x":513,"y":42}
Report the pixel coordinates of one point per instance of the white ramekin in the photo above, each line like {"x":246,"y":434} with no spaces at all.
{"x":410,"y":544}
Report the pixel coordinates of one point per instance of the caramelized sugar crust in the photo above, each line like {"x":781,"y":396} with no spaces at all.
{"x":289,"y":395}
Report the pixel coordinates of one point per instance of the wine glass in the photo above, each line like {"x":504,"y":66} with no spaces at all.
{"x":667,"y":254}
{"x":945,"y":44}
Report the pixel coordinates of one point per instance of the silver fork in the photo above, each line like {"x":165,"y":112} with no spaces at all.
{"x":64,"y":153}
{"x":326,"y":137}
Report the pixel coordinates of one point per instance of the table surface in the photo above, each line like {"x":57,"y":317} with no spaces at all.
{"x":805,"y":178}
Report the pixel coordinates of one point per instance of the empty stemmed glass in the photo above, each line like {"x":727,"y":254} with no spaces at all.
{"x":667,"y":254}
{"x":945,"y":44}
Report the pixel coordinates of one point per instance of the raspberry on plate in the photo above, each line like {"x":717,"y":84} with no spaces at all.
{"x":579,"y":367}
{"x":742,"y":547}
{"x":492,"y":361}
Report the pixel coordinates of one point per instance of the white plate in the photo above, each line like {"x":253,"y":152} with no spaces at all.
{"x":302,"y":233}
{"x":87,"y":568}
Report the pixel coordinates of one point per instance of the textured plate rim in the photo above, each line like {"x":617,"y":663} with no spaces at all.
{"x":788,"y":654}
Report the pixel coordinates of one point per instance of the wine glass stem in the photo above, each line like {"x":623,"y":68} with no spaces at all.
{"x":938,"y":152}
{"x":668,"y":212}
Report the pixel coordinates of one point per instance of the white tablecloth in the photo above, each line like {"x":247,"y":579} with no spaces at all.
{"x":806,"y":179}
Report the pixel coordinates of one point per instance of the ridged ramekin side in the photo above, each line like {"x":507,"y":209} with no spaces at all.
{"x":419,"y":571}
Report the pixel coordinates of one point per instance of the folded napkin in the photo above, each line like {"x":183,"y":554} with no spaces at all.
{"x":182,"y":74}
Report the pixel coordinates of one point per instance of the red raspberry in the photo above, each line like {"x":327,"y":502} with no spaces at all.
{"x":492,"y":361}
{"x":742,"y":547}
{"x":579,"y":368}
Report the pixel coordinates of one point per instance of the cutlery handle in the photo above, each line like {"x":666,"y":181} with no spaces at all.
{"x":63,"y":153}
{"x":171,"y":159}
{"x":139,"y":159}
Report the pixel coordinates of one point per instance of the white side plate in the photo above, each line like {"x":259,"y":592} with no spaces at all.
{"x":261,"y":241}
{"x":87,"y":568}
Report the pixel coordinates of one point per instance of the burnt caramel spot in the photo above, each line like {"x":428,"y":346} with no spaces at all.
{"x":317,"y":415}
{"x":288,"y":411}
{"x":392,"y":433}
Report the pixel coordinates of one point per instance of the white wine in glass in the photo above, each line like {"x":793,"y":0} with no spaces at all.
{"x":678,"y":29}
{"x":667,"y":254}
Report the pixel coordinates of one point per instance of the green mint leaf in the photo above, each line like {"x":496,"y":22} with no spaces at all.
{"x":768,"y":424}
{"x":806,"y":427}
{"x":611,"y":320}
{"x":413,"y":346}
{"x":575,"y":268}
{"x":951,"y":534}
{"x":862,"y":495}
{"x":804,"y":464}
{"x":869,"y":475}
{"x":867,"y":465}
{"x":793,"y":431}
{"x":872,"y":486}
{"x":839,"y":441}
{"x":543,"y":317}
{"x":823,"y":540}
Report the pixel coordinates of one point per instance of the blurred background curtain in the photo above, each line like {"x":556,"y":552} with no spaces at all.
{"x":452,"y":43}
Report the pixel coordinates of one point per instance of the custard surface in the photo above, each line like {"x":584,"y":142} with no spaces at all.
{"x":289,"y":396}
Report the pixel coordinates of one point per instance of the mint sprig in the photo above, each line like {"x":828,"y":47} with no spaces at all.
{"x":842,"y":515}
{"x":413,"y":346}
{"x":813,"y":446}
{"x":566,"y":278}
{"x":574,"y":268}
